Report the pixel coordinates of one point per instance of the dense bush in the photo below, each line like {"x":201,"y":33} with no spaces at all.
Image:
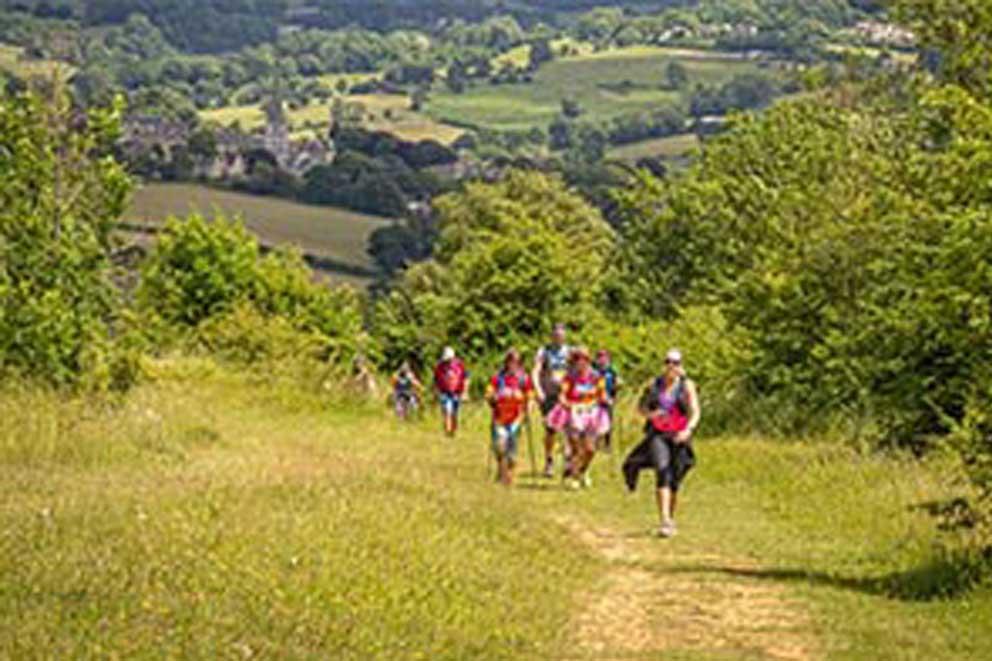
{"x":854,"y":253}
{"x":213,"y":277}
{"x":59,"y":201}
{"x":511,"y":258}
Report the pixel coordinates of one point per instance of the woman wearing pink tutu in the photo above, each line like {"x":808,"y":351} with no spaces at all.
{"x":581,"y":413}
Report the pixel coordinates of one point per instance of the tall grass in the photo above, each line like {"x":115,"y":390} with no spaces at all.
{"x":213,"y":514}
{"x":207,"y":517}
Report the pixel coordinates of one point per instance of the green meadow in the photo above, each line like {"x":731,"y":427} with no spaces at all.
{"x":605,"y":84}
{"x":212,"y":514}
{"x":337,"y":235}
{"x":12,"y":59}
{"x":669,"y":147}
{"x":384,"y":112}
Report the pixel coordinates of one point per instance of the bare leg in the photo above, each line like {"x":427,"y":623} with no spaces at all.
{"x":675,"y":501}
{"x":549,"y":452}
{"x":664,"y":496}
{"x":588,"y":452}
{"x":573,"y":458}
{"x":504,"y":470}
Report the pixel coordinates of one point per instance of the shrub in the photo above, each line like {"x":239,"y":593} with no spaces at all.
{"x":213,"y":277}
{"x":511,"y":258}
{"x":58,"y":203}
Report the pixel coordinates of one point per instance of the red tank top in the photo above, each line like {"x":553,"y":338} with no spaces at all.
{"x":670,"y":416}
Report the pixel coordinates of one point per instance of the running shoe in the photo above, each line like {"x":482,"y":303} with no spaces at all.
{"x":667,"y":529}
{"x":549,"y":469}
{"x":586,"y":481}
{"x":572,"y":484}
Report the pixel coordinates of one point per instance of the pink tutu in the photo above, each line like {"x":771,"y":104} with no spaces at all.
{"x":557,"y":419}
{"x":580,"y":421}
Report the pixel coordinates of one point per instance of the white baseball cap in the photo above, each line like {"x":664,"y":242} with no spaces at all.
{"x":448,"y":354}
{"x":673,"y":356}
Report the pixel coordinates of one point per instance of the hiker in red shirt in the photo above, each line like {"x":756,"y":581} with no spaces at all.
{"x":508,"y":393}
{"x":451,"y":385}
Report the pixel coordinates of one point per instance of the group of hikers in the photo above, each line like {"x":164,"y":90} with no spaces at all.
{"x":577,"y":396}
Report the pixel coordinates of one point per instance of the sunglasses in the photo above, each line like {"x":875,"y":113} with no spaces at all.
{"x":673,"y":362}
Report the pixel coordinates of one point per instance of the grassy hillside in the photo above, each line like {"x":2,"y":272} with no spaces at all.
{"x":387,"y":112}
{"x":12,"y":60}
{"x":207,"y":517}
{"x":335,"y":234}
{"x":670,"y":147}
{"x":605,"y":84}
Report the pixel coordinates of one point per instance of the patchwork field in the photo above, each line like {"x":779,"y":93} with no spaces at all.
{"x":605,"y":84}
{"x":385,"y":112}
{"x":12,"y":60}
{"x":670,"y":147}
{"x":338,"y":237}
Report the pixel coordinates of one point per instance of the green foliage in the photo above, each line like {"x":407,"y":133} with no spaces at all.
{"x":58,"y":203}
{"x":511,"y":258}
{"x":959,"y":30}
{"x":213,"y":277}
{"x":854,"y":253}
{"x":715,"y":358}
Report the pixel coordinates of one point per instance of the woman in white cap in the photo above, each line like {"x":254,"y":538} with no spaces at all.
{"x":670,"y":406}
{"x":451,"y":384}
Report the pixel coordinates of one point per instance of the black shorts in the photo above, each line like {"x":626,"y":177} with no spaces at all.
{"x":550,"y":401}
{"x":671,"y":461}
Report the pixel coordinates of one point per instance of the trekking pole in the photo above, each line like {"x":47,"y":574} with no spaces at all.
{"x":530,"y":445}
{"x":489,"y":460}
{"x":619,"y":448}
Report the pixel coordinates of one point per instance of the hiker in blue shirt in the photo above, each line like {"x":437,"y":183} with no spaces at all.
{"x":613,"y":382}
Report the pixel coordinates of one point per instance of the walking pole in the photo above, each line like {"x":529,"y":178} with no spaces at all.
{"x":530,"y":444}
{"x":619,"y":449}
{"x":489,"y":460}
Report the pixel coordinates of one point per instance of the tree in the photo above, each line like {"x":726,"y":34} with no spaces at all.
{"x":511,"y":257}
{"x":59,"y":204}
{"x":457,"y":78}
{"x":676,"y":75}
{"x":419,"y":98}
{"x":571,"y":108}
{"x":560,"y":133}
{"x":540,"y":53}
{"x":959,"y":30}
{"x":589,"y":145}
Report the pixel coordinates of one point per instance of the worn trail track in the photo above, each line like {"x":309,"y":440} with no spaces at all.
{"x":654,"y":603}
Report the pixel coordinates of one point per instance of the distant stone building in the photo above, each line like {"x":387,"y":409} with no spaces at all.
{"x":161,"y":137}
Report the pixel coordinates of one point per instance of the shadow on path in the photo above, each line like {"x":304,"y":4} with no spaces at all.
{"x":941,"y":578}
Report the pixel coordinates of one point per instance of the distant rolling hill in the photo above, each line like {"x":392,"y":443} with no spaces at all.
{"x":334,"y":240}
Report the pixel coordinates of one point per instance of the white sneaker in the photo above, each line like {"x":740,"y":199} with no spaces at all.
{"x":586,"y":481}
{"x":667,"y":529}
{"x":572,"y":484}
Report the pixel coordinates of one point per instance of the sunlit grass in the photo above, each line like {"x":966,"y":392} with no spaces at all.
{"x":217,"y":522}
{"x":322,"y":231}
{"x":214,"y":514}
{"x":13,"y":59}
{"x":668,"y":147}
{"x":594,"y":79}
{"x":384,"y":112}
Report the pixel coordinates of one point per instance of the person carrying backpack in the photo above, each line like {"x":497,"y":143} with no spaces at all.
{"x":450,"y":384}
{"x":583,"y":395}
{"x":406,"y":391}
{"x":550,"y":368}
{"x":671,"y":408}
{"x":508,"y":393}
{"x":613,"y":383}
